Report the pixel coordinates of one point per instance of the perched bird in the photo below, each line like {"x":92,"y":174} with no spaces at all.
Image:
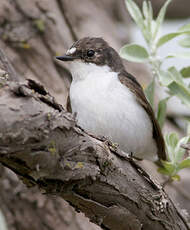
{"x":108,"y":101}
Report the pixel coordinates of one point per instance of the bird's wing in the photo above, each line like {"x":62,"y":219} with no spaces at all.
{"x":130,"y":81}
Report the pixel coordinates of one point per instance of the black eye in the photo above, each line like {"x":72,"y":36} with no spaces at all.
{"x":90,"y":53}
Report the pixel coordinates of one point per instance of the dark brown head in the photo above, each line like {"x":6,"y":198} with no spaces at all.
{"x":94,"y":50}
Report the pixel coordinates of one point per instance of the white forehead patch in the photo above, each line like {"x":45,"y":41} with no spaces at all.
{"x":71,"y":51}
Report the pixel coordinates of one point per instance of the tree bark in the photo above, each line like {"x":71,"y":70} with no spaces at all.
{"x":43,"y":145}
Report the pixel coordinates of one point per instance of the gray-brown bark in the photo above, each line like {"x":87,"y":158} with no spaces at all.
{"x":42,"y":144}
{"x":26,"y":209}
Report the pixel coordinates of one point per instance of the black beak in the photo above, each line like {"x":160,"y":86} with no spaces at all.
{"x":66,"y":58}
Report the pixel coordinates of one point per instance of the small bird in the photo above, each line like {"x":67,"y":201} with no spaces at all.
{"x":108,"y":101}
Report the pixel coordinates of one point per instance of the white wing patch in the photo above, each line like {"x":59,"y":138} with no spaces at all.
{"x":71,"y":51}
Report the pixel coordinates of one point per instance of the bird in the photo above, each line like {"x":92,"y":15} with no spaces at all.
{"x":108,"y":101}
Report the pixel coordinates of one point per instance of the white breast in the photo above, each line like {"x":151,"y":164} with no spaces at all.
{"x":106,"y":107}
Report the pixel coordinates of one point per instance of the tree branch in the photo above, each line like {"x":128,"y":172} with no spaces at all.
{"x":43,"y":145}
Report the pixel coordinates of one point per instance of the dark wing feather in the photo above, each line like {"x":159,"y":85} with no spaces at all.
{"x":130,"y":81}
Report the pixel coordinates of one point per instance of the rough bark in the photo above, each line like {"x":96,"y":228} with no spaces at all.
{"x":29,"y":209}
{"x":42,"y":144}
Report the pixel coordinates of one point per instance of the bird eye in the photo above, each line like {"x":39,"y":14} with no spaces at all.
{"x":90,"y":53}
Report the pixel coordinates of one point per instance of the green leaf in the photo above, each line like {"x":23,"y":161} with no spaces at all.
{"x":179,"y":150}
{"x":185,"y":72}
{"x":185,"y":42}
{"x":137,"y":16}
{"x":149,"y":92}
{"x":166,"y":38}
{"x":171,"y":141}
{"x":163,"y":171}
{"x":134,"y":53}
{"x":174,"y":149}
{"x":184,"y":164}
{"x":182,"y":92}
{"x":169,"y":167}
{"x":179,"y":55}
{"x":145,"y":9}
{"x":150,"y":10}
{"x":176,"y":85}
{"x":160,"y":18}
{"x":176,"y":177}
{"x":176,"y":75}
{"x":148,"y":18}
{"x":161,"y":114}
{"x":165,"y":77}
{"x":148,"y":14}
{"x":185,"y":28}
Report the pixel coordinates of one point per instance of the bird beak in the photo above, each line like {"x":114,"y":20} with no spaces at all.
{"x":66,"y":58}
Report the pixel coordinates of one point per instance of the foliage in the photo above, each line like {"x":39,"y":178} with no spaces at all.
{"x":172,"y":79}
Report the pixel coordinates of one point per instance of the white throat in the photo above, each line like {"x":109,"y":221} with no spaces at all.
{"x":81,"y":70}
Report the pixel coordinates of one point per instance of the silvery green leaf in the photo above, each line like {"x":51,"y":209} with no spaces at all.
{"x":179,"y":150}
{"x":134,"y":53}
{"x":160,"y":18}
{"x":149,"y":92}
{"x":176,"y":177}
{"x":182,"y":92}
{"x":185,"y":42}
{"x":185,"y":72}
{"x":184,"y":28}
{"x":179,"y":55}
{"x":176,"y":75}
{"x":185,"y":163}
{"x":166,"y":38}
{"x":145,"y":9}
{"x":135,"y":12}
{"x":137,"y":16}
{"x":163,"y":171}
{"x":165,"y":77}
{"x":150,"y":11}
{"x":161,"y":114}
{"x":171,"y":141}
{"x":169,"y":167}
{"x":150,"y":20}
